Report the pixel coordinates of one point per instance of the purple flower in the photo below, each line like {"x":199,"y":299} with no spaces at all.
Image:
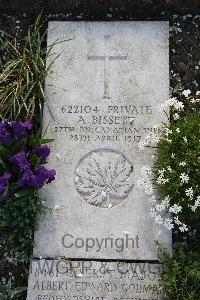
{"x":27,"y":179}
{"x":51,"y":175}
{"x":4,"y":180}
{"x":19,"y":160}
{"x":42,"y":152}
{"x":43,"y":175}
{"x":27,"y":125}
{"x":36,"y":178}
{"x":19,"y":129}
{"x":5,"y":137}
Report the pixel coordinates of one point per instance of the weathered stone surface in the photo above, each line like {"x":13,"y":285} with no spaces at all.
{"x":105,"y":96}
{"x":92,"y":280}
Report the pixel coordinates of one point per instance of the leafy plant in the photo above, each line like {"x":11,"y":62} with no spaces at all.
{"x":8,"y":292}
{"x":22,"y":74}
{"x":173,"y":183}
{"x":181,"y":274}
{"x":178,"y":156}
{"x":174,"y":192}
{"x":22,"y":172}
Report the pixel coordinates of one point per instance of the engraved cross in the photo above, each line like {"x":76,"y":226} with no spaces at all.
{"x":106,"y":58}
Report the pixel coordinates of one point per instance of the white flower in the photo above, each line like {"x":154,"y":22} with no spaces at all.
{"x":156,"y":139}
{"x":184,"y":177}
{"x":153,"y":212}
{"x":183,"y":227}
{"x":158,"y":220}
{"x":173,"y":102}
{"x":169,"y":141}
{"x":189,"y":193}
{"x":185,"y":139}
{"x":162,"y":180}
{"x":168,"y":224}
{"x":192,"y":101}
{"x":167,"y":131}
{"x":176,"y":116}
{"x":183,"y":163}
{"x":178,"y":130}
{"x":173,"y":155}
{"x":146,"y":171}
{"x":186,"y":93}
{"x":160,"y":207}
{"x":161,"y":172}
{"x":179,"y":105}
{"x":146,"y":185}
{"x":196,"y":204}
{"x":149,"y":189}
{"x":175,"y":209}
{"x":169,"y":169}
{"x":176,"y":220}
{"x":198,"y":93}
{"x":152,"y":199}
{"x":165,"y":202}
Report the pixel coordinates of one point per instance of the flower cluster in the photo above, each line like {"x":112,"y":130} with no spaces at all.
{"x":173,"y":183}
{"x":176,"y":106}
{"x":23,"y":165}
{"x":14,"y":131}
{"x":161,"y":209}
{"x":32,"y":177}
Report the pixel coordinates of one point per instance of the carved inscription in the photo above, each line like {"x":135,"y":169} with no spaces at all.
{"x":91,"y":280}
{"x":104,"y":177}
{"x":105,"y":123}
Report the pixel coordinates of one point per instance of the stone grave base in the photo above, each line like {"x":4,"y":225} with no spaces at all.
{"x":94,"y":280}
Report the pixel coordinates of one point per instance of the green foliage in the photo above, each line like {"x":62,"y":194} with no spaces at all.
{"x":22,"y":77}
{"x":181,"y":275}
{"x":17,"y":225}
{"x":8,"y":291}
{"x":23,"y":73}
{"x":178,"y":153}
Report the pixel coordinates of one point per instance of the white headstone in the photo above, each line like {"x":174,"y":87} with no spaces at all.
{"x":105,"y":95}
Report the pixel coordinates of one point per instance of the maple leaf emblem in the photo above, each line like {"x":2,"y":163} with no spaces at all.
{"x":104,"y":178}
